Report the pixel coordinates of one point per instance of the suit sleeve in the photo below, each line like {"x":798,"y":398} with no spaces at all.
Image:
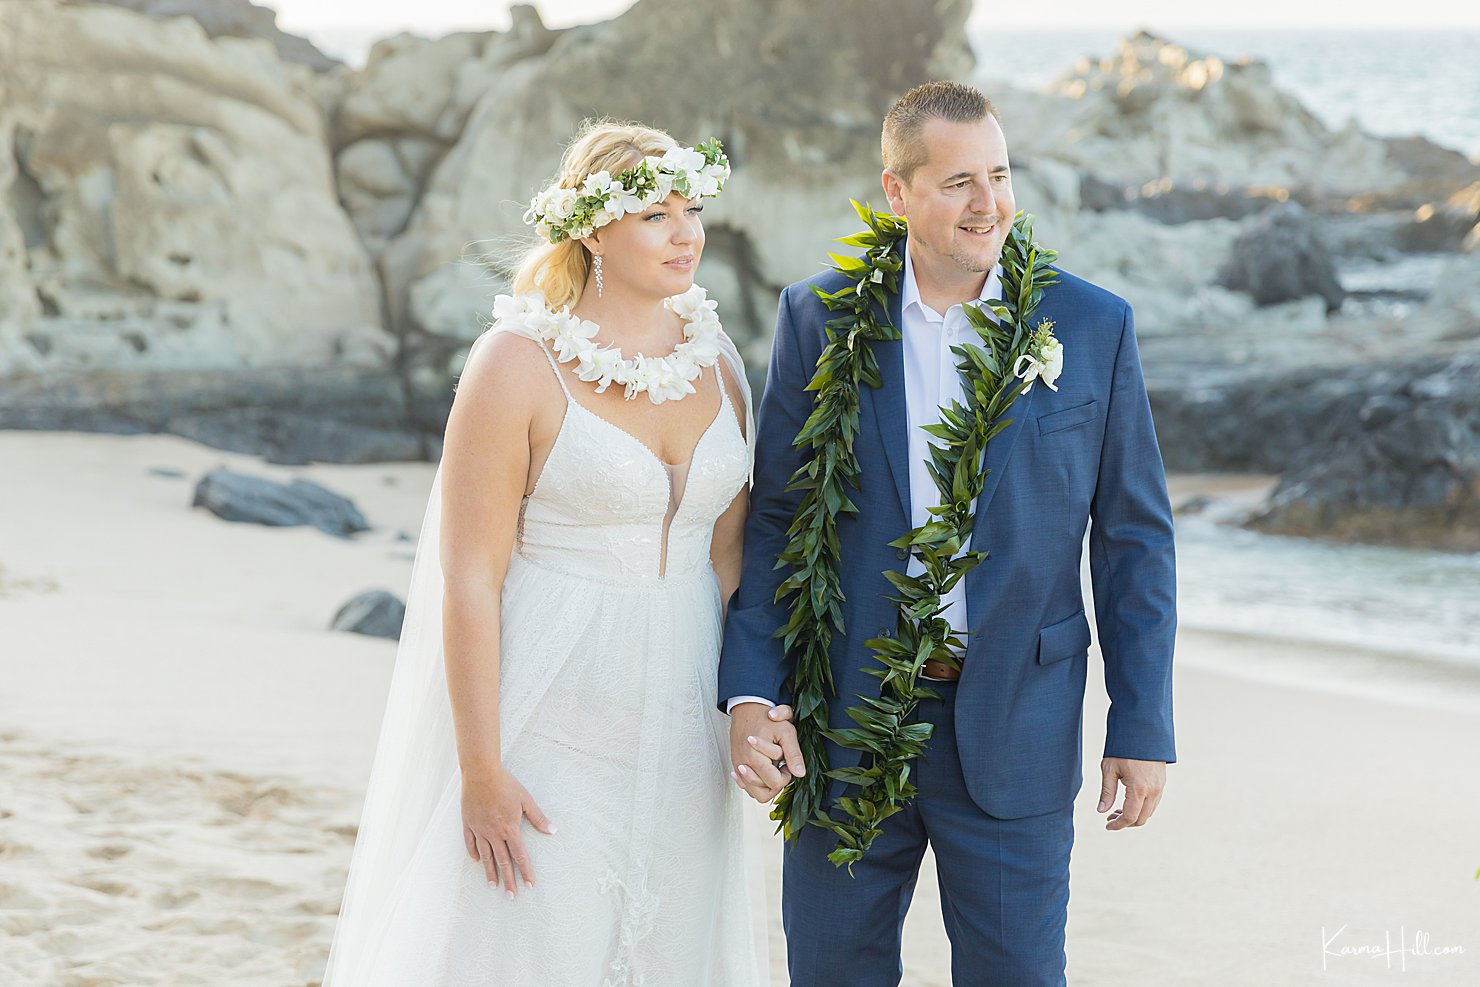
{"x":752,"y":659}
{"x":1133,"y":567}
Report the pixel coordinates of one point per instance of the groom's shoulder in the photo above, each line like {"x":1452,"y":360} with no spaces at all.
{"x":1070,"y":289}
{"x":805,"y":291}
{"x":805,"y":313}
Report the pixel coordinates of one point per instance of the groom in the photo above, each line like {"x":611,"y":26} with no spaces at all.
{"x":996,"y":784}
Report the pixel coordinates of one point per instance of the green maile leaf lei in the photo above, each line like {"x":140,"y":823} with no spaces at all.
{"x":886,"y":735}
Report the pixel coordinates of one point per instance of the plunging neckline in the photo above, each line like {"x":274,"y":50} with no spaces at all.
{"x":724,"y":400}
{"x":645,"y":447}
{"x":675,"y":503}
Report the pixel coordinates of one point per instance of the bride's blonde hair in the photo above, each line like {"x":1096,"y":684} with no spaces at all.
{"x":559,"y":270}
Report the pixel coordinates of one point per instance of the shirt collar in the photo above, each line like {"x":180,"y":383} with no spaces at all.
{"x":910,"y":292}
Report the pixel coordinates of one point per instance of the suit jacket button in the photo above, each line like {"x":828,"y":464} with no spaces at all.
{"x":885,"y":632}
{"x":903,"y":553}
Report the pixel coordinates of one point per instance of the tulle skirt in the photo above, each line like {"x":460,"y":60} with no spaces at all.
{"x":608,"y":718}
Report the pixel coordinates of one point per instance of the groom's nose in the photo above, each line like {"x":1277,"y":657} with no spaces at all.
{"x":983,"y":203}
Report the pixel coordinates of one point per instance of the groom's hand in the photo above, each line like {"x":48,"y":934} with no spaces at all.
{"x":758,"y":738}
{"x":1143,"y":781}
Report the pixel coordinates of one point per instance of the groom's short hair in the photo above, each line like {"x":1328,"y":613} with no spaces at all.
{"x":900,"y":143}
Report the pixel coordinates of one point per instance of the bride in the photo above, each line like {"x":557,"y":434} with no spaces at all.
{"x":551,"y":801}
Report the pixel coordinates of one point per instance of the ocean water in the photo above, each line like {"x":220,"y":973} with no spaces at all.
{"x":1400,"y":623}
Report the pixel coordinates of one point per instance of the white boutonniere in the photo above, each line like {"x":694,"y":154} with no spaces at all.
{"x":1044,"y":360}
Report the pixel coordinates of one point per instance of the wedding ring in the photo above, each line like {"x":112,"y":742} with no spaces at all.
{"x":780,"y":765}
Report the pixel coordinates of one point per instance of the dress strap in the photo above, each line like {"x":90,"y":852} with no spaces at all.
{"x":555,"y":367}
{"x":724,"y":392}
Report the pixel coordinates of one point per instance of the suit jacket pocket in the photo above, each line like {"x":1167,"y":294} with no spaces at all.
{"x":1057,"y":421}
{"x":1065,"y":639}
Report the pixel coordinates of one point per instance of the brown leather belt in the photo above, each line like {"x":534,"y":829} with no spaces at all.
{"x":939,"y":670}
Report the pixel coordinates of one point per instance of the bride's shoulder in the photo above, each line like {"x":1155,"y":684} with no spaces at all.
{"x":519,"y":322}
{"x":506,"y":357}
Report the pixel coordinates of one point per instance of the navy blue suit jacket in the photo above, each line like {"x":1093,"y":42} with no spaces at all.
{"x":1084,"y":455}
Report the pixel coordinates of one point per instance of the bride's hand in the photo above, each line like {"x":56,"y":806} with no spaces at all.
{"x":494,"y":805}
{"x":760,"y":737}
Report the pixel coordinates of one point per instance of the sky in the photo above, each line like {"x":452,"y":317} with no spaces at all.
{"x":438,"y":16}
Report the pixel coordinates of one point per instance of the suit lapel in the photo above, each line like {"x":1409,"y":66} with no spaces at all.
{"x":1000,"y":447}
{"x":885,"y":404}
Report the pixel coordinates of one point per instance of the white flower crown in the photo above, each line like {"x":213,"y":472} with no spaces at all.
{"x":568,"y":213}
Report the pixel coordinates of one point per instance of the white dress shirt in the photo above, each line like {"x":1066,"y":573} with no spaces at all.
{"x":930,"y":381}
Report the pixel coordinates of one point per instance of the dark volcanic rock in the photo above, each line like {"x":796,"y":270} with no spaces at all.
{"x":1430,"y":170}
{"x":289,"y":415}
{"x":253,"y":500}
{"x":1168,"y":202}
{"x":1280,"y":258}
{"x":1447,"y":225}
{"x":1403,"y":469}
{"x":1385,"y":453}
{"x":376,"y":612}
{"x":1261,"y":424}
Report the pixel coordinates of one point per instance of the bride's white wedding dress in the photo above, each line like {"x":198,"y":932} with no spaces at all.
{"x":610,"y":635}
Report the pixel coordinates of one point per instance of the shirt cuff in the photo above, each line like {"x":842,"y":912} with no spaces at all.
{"x":730,"y":706}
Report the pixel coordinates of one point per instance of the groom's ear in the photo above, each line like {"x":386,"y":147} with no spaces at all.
{"x":893,"y":187}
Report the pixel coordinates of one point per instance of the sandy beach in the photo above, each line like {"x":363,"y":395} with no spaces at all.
{"x":184,"y":744}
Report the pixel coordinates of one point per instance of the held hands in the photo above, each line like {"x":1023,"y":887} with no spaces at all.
{"x":1144,"y":782}
{"x":759,"y":737}
{"x":494,"y":805}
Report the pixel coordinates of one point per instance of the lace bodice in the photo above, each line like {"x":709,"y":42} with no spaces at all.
{"x":605,"y":507}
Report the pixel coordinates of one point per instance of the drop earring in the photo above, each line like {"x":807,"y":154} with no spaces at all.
{"x":598,"y":275}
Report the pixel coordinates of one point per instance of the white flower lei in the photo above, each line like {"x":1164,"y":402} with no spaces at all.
{"x":662,"y":378}
{"x":568,"y":213}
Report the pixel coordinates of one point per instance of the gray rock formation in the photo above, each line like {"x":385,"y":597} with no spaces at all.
{"x":1158,"y":110}
{"x":179,"y":200}
{"x":246,"y":499}
{"x":1168,"y":202}
{"x":800,"y":122}
{"x":169,"y":203}
{"x":1159,"y":135}
{"x":234,"y":19}
{"x":286,"y":415}
{"x":1253,"y":423}
{"x":376,"y":612}
{"x":1405,"y":469}
{"x":1280,"y":258}
{"x":1451,"y":314}
{"x":1386,"y":452}
{"x":1451,"y":224}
